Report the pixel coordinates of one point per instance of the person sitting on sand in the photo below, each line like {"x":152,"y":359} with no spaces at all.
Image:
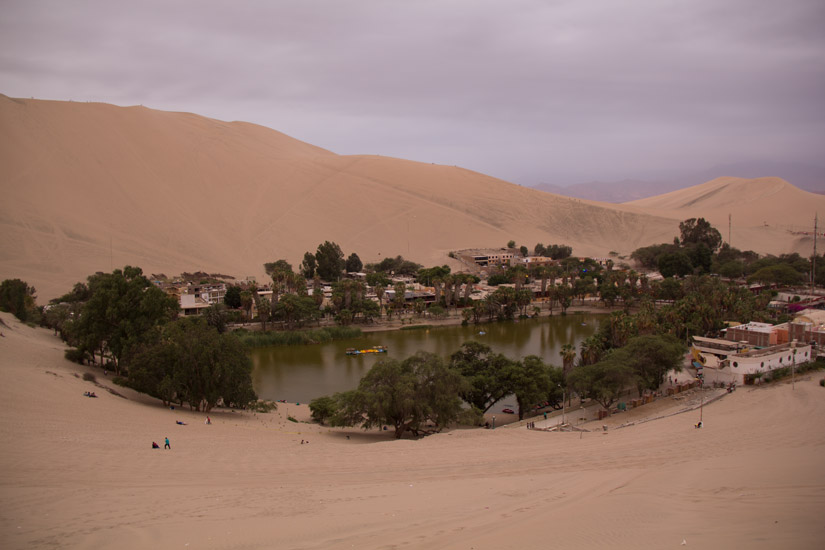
{"x":180,"y":423}
{"x":699,"y":424}
{"x":155,"y":445}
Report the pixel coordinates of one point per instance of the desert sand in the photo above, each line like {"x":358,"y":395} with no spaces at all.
{"x":92,"y":187}
{"x":81,"y":473}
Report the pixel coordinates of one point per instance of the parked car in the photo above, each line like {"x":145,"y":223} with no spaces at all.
{"x":508,"y":411}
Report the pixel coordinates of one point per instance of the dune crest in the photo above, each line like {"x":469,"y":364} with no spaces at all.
{"x":92,"y":187}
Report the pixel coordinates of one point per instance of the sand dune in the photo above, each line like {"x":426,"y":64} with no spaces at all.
{"x":80,"y":473}
{"x":89,"y":187}
{"x":765,"y":213}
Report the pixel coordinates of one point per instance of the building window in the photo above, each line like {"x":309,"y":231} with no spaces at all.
{"x":762,"y":365}
{"x":780,"y":359}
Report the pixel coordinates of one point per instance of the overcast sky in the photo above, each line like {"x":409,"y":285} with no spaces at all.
{"x":526,"y":90}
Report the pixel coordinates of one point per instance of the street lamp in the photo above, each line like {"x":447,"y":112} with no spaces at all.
{"x":563,"y":401}
{"x":793,"y":366}
{"x":494,"y":422}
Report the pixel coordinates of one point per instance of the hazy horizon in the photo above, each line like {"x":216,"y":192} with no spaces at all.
{"x":525,"y":91}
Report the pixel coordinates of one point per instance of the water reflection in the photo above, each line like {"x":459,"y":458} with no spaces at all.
{"x":302,"y":373}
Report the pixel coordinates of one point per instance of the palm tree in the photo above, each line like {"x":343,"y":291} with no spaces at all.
{"x":568,"y":356}
{"x":543,"y":273}
{"x":591,"y":350}
{"x":246,"y":302}
{"x":517,"y":273}
{"x":468,"y":285}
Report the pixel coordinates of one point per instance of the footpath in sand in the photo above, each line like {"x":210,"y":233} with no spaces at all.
{"x":80,"y":473}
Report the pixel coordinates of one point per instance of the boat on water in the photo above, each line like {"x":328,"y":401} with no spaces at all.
{"x":373,"y":349}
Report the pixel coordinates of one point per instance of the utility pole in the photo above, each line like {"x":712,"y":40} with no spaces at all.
{"x":730,"y":223}
{"x":813,"y":260}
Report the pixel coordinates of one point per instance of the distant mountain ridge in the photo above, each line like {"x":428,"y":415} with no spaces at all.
{"x":803,"y":176}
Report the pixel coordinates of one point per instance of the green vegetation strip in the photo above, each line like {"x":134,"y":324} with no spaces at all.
{"x":416,"y":327}
{"x":256,"y":339}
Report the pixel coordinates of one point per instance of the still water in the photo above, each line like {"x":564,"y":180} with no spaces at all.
{"x":302,"y":373}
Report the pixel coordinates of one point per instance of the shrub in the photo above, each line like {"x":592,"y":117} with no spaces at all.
{"x":822,"y":382}
{"x":322,"y":409}
{"x":75,"y":355}
{"x":120,"y":381}
{"x":415,"y":327}
{"x":89,"y":377}
{"x":255,"y":339}
{"x":291,"y":419}
{"x":263,"y":406}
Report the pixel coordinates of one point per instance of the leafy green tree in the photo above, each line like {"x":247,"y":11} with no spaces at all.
{"x":232,"y":298}
{"x":190,"y":362}
{"x":648,"y":256}
{"x":651,"y":357}
{"x":417,"y":395}
{"x":322,"y":409}
{"x":79,"y":293}
{"x":558,"y":251}
{"x":487,"y":373}
{"x":524,"y":251}
{"x":675,"y":263}
{"x":701,"y":258}
{"x":309,"y":265}
{"x":295,"y":311}
{"x":354,"y":264}
{"x":531,"y":381}
{"x":330,"y":260}
{"x":603,"y":381}
{"x":123,"y":308}
{"x":781,"y":274}
{"x":732,"y":269}
{"x":562,"y":294}
{"x":695,"y":231}
{"x":216,"y":317}
{"x":511,"y":244}
{"x":395,"y":266}
{"x":17,"y":298}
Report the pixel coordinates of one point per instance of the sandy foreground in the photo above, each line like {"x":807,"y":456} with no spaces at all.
{"x":80,"y":473}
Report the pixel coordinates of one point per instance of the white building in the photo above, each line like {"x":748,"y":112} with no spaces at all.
{"x":723,"y":361}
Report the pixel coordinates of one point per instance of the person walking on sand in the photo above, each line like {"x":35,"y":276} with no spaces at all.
{"x":166,"y":444}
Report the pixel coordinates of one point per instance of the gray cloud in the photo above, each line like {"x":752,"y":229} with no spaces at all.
{"x":526,"y":90}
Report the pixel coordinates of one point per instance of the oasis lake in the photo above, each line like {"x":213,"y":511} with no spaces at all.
{"x":302,"y":373}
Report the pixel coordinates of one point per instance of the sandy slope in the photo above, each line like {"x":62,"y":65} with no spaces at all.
{"x":91,"y":187}
{"x":765,"y":213}
{"x":80,"y":473}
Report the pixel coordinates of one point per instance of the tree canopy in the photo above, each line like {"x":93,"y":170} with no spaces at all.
{"x":123,"y":308}
{"x":330,"y":261}
{"x":417,"y":395}
{"x":17,"y":298}
{"x":487,"y":373}
{"x":189,"y":362}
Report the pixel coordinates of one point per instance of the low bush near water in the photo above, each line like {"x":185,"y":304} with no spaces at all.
{"x":254,"y":339}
